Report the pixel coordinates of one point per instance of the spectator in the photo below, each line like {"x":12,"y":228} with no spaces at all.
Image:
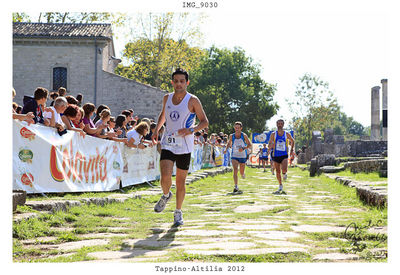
{"x":18,"y":110}
{"x":99,"y":110}
{"x":62,"y":91}
{"x":103,"y":121}
{"x":79,"y":97}
{"x":89,"y":128}
{"x":120,"y":124}
{"x":78,"y":120}
{"x":70,"y":113}
{"x":14,"y":106}
{"x":129,"y":119}
{"x":53,"y":96}
{"x":53,"y":113}
{"x":135,"y":135}
{"x":23,"y":117}
{"x":71,"y":100}
{"x":110,"y":129}
{"x":36,"y":104}
{"x":152,"y":127}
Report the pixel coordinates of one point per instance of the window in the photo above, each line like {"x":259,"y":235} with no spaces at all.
{"x":59,"y":78}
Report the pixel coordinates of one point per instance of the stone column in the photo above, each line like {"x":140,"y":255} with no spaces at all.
{"x":375,"y":135}
{"x":384,"y":109}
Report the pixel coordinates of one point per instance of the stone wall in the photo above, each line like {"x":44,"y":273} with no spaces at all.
{"x":367,"y":166}
{"x":121,"y":93}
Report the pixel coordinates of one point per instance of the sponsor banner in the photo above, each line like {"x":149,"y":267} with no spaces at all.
{"x":140,"y":165}
{"x":261,"y":138}
{"x":44,"y":161}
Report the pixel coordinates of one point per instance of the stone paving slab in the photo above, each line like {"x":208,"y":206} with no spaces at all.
{"x":205,"y":232}
{"x":275,"y":235}
{"x":336,"y":257}
{"x":317,"y":228}
{"x":253,"y":208}
{"x":258,"y":251}
{"x":218,"y":245}
{"x":126,"y":254}
{"x":250,"y":226}
{"x":282,"y":243}
{"x":317,"y":211}
{"x":102,"y":235}
{"x":152,"y":243}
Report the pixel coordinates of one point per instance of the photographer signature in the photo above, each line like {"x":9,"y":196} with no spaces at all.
{"x":357,"y":235}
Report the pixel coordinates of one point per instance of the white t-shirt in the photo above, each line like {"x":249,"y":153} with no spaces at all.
{"x":135,"y":135}
{"x":57,"y":116}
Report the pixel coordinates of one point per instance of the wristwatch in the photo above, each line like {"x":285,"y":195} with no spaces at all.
{"x":191,"y":130}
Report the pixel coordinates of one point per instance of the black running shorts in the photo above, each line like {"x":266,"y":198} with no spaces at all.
{"x":182,"y":161}
{"x":279,"y":159}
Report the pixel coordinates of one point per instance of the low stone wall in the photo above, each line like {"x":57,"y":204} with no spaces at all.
{"x":367,"y":166}
{"x":369,"y":192}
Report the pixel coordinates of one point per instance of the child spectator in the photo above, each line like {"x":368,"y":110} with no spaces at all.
{"x":89,"y":128}
{"x":79,"y":97}
{"x":53,"y":96}
{"x":99,"y":110}
{"x":103,"y":121}
{"x":135,"y":135}
{"x":78,"y":120}
{"x":62,"y":91}
{"x":120,"y":124}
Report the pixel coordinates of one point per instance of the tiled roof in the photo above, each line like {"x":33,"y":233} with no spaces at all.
{"x":61,"y":30}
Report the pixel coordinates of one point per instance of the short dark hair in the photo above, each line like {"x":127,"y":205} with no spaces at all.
{"x":101,"y":108}
{"x":71,"y":100}
{"x":239,"y":123}
{"x":71,"y":110}
{"x":280,"y":120}
{"x":119,"y":120}
{"x":54,"y":95}
{"x":126,"y":113}
{"x":62,"y":91}
{"x":40,"y":93}
{"x":181,"y":71}
{"x":88,"y":108}
{"x":79,"y":97}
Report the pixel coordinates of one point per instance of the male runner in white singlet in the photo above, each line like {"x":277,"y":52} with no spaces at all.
{"x":179,"y":111}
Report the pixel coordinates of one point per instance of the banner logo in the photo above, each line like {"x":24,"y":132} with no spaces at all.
{"x":27,"y":179}
{"x":25,"y":155}
{"x":27,"y":134}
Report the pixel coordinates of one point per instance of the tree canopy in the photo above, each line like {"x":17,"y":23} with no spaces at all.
{"x":230,"y":87}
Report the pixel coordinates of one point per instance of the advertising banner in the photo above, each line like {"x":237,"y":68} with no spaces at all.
{"x":44,"y":161}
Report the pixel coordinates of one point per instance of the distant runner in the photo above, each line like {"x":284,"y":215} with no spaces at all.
{"x":278,"y":144}
{"x":239,"y":143}
{"x":263,"y":156}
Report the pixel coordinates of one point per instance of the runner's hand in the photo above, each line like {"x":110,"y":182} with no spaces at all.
{"x":184,"y":132}
{"x":154,"y":137}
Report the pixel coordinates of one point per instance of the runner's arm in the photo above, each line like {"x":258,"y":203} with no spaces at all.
{"x":271,"y":143}
{"x":195,"y":107}
{"x":160,"y":122}
{"x":291,"y":139}
{"x":248,"y":142}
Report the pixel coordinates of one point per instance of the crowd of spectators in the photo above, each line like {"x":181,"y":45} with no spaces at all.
{"x":67,"y":112}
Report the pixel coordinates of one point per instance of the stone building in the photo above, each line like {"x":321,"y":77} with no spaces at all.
{"x":81,"y":58}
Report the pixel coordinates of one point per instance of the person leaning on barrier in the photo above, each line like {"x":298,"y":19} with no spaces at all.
{"x":136,"y":134}
{"x":36,"y":105}
{"x":28,"y":117}
{"x":69,"y":114}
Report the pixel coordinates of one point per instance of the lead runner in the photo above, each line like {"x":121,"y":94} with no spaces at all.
{"x":178,"y":112}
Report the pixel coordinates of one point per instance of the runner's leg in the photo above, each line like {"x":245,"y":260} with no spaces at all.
{"x":180,"y":187}
{"x":277,"y":167}
{"x":166,"y":167}
{"x":235,"y":164}
{"x":242,"y":167}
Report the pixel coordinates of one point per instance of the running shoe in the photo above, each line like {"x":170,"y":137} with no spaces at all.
{"x":160,"y":206}
{"x":236,"y":189}
{"x":178,"y":218}
{"x":285,"y":177}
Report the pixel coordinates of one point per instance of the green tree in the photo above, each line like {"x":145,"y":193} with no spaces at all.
{"x":81,"y":17}
{"x":162,"y":42}
{"x":20,"y":17}
{"x":152,"y":62}
{"x":230,"y":87}
{"x":315,"y":108}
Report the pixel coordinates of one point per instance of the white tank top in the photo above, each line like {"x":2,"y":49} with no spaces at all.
{"x":236,"y":145}
{"x":178,"y":117}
